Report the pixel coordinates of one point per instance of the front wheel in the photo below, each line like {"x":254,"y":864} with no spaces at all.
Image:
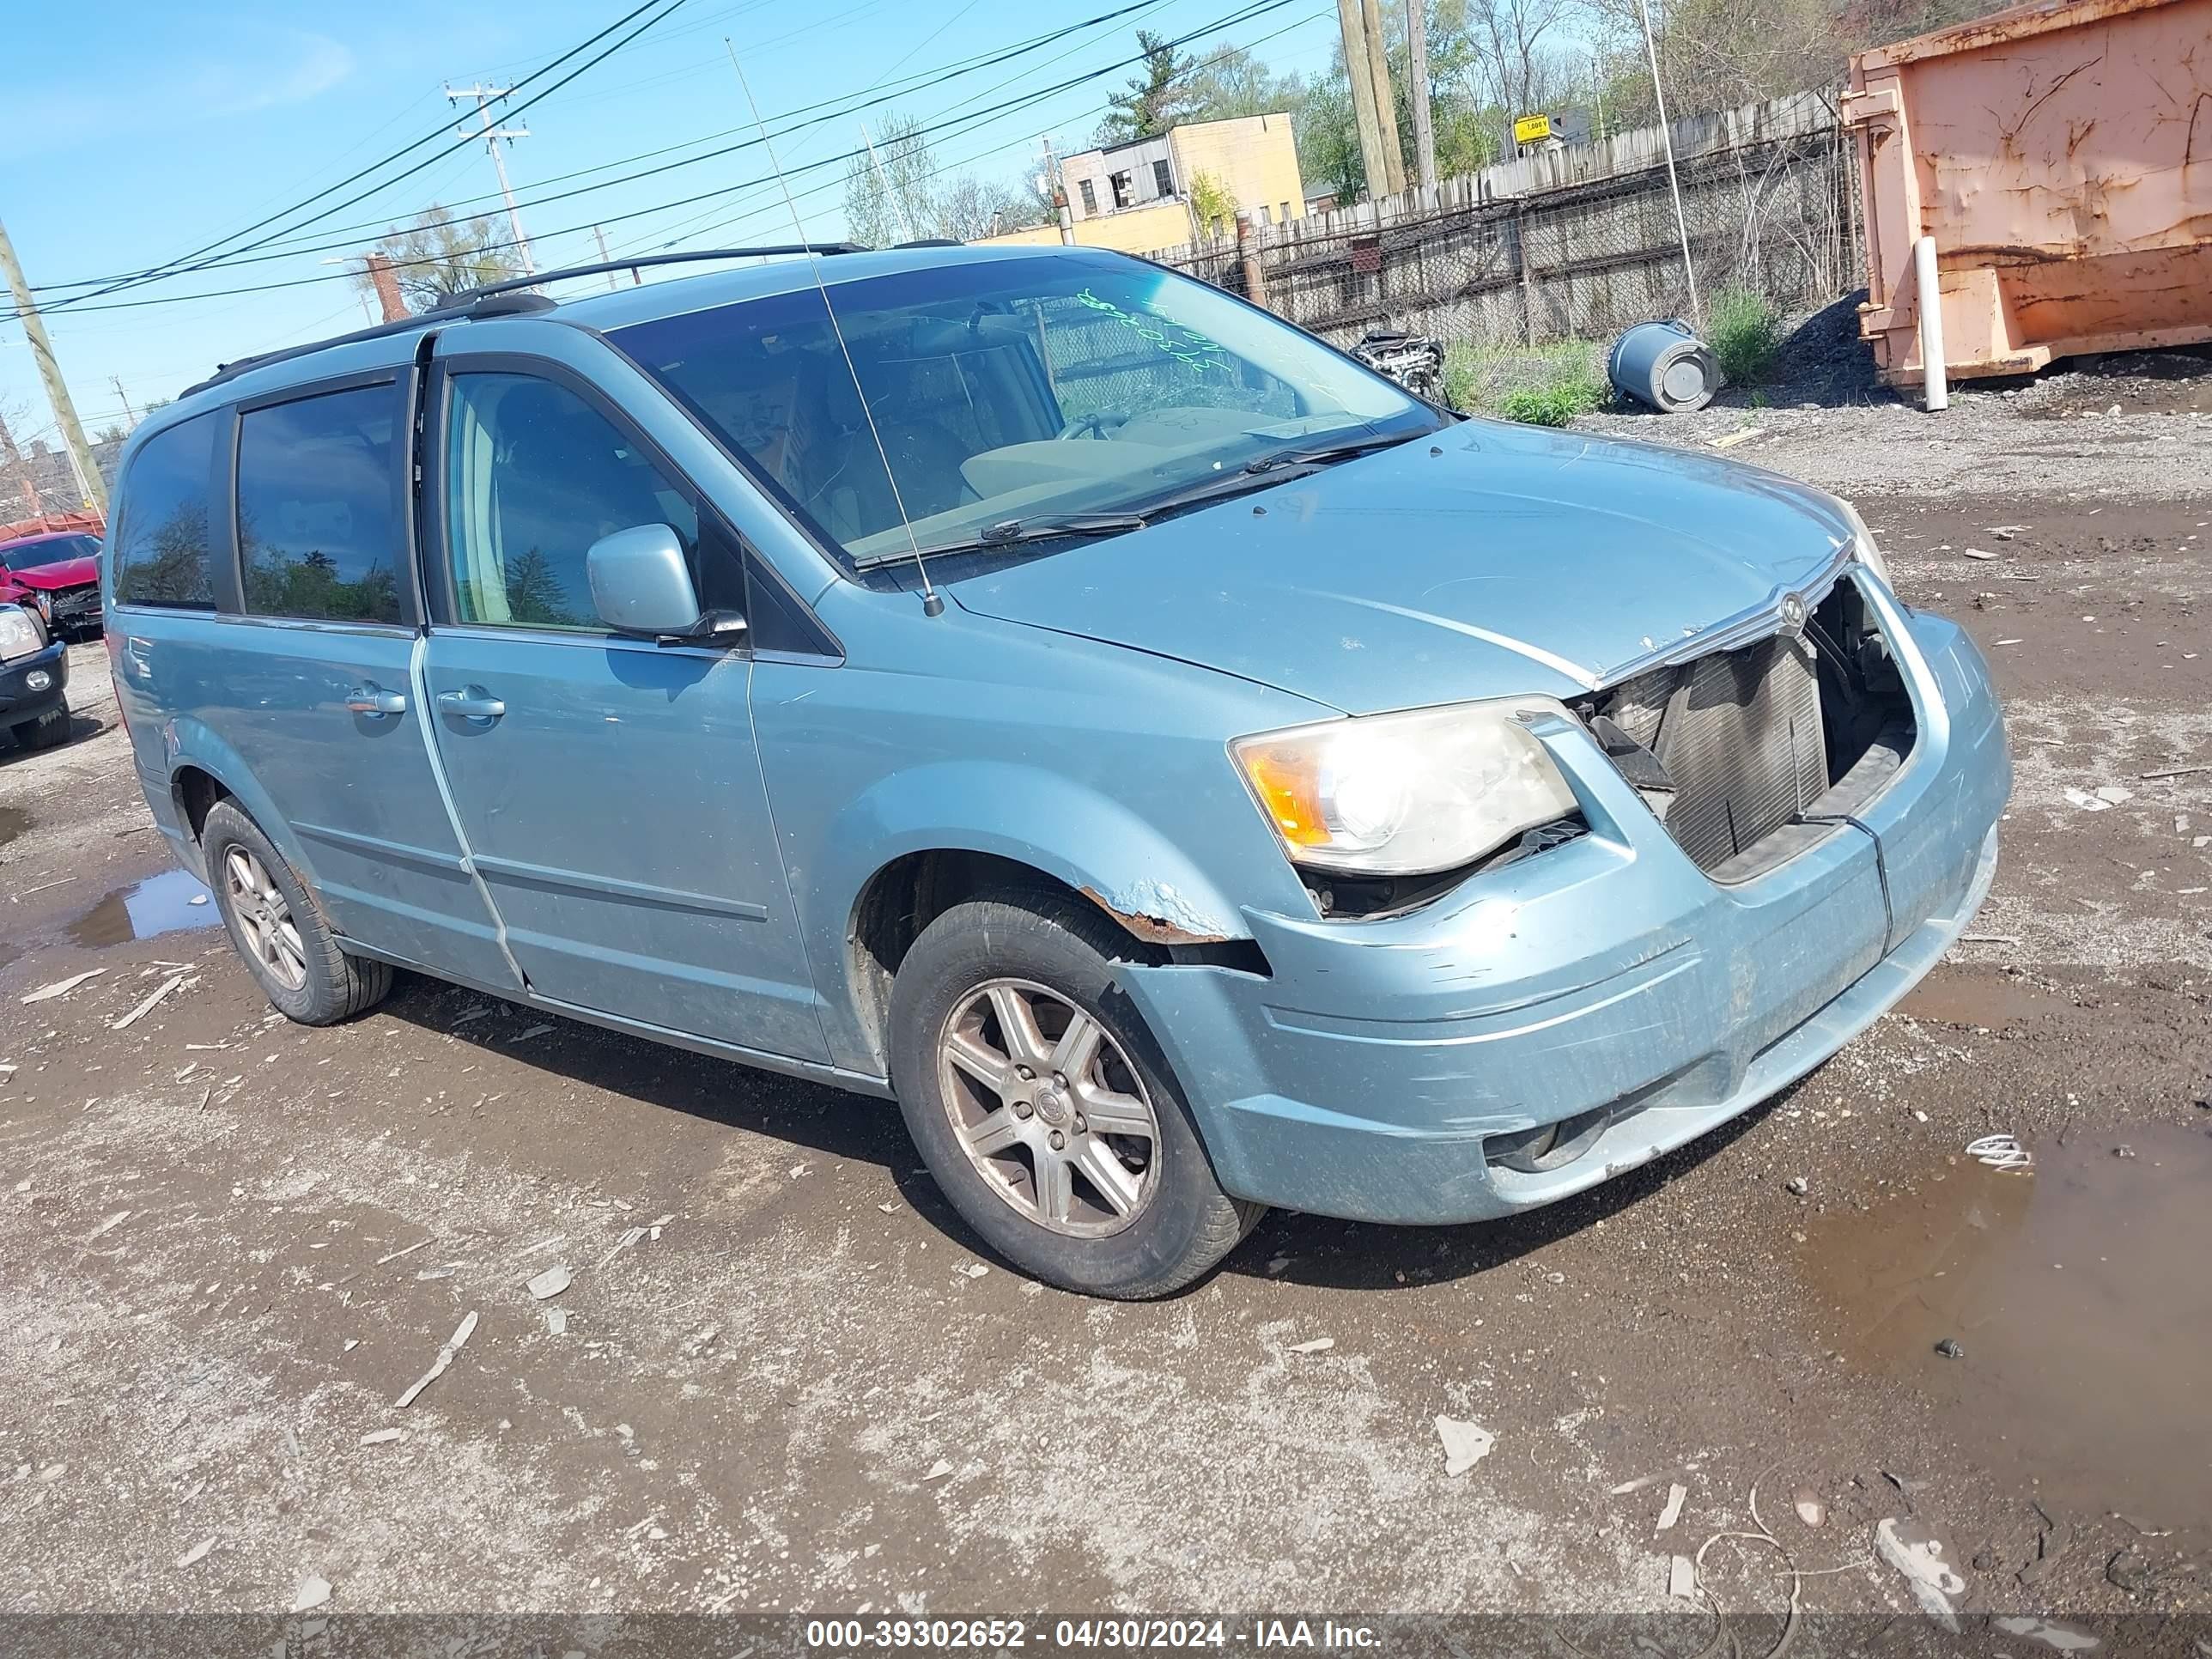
{"x":1044,"y":1108}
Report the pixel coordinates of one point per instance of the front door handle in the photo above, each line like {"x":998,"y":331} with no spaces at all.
{"x":374,"y":699}
{"x":471,"y":702}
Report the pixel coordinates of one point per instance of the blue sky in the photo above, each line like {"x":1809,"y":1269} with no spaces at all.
{"x":148,"y":130}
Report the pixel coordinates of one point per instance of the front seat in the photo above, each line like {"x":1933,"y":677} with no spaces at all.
{"x":849,"y":489}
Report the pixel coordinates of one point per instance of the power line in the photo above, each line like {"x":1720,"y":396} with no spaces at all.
{"x":964,"y":103}
{"x":1245,"y":14}
{"x":177,"y":267}
{"x":751,"y":213}
{"x":935,"y":74}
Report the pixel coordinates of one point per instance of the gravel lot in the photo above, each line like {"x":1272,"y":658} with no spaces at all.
{"x":232,"y":1243}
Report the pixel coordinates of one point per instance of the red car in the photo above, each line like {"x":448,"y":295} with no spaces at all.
{"x":58,"y":574}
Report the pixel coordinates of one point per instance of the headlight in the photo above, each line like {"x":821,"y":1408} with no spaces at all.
{"x":1862,"y":547}
{"x":1404,"y":794}
{"x":19,"y":635}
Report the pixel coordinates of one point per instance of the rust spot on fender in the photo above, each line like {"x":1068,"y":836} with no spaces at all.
{"x":1153,"y":930}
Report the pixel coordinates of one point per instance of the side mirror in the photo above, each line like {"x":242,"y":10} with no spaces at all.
{"x":640,"y":584}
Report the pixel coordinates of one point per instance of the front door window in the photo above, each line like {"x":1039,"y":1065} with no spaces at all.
{"x":534,"y":474}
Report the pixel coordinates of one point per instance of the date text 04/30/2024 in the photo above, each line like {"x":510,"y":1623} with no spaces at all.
{"x":992,"y":1635}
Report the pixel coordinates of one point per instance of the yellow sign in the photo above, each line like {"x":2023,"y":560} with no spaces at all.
{"x":1531,"y":128}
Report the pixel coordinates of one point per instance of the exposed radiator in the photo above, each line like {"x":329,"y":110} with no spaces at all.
{"x":1739,"y":734}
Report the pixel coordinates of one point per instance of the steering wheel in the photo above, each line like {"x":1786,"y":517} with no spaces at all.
{"x":1092,"y":425}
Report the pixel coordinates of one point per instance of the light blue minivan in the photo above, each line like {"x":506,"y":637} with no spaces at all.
{"x":1187,"y":773}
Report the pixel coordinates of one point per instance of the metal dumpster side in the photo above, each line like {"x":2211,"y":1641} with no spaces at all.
{"x":2060,"y":154}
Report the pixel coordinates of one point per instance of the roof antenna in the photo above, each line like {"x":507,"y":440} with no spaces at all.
{"x":932,"y":603}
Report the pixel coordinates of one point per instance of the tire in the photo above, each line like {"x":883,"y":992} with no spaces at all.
{"x":331,"y":986}
{"x":1168,"y":1221}
{"x":49,"y":731}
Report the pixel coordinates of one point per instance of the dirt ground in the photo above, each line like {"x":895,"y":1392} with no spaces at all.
{"x":788,"y":1381}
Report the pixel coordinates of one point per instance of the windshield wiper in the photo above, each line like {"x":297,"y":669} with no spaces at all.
{"x":1259,"y":473}
{"x":1327,"y":453}
{"x":1007,"y":532}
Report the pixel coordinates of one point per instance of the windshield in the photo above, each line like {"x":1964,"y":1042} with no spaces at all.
{"x":1019,"y":390}
{"x":29,"y":556}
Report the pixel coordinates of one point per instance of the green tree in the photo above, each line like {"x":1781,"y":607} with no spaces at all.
{"x":1155,"y":98}
{"x":1212,"y":206}
{"x":1327,"y":134}
{"x":1227,"y":81}
{"x":535,"y":592}
{"x":177,"y":574}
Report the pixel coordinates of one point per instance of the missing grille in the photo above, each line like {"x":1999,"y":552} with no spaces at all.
{"x":1758,"y":752}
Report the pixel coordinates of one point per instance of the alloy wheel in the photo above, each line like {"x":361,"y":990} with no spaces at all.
{"x":1049,"y":1109}
{"x":264,"y":918}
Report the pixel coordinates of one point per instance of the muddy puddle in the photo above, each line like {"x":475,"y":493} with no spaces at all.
{"x":2080,"y":1297}
{"x":14,"y":820}
{"x":166,"y":904}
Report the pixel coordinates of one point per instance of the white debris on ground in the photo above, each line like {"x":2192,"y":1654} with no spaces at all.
{"x":550,"y":1283}
{"x":1919,"y":1556}
{"x":1466,"y":1443}
{"x":453,"y":1346}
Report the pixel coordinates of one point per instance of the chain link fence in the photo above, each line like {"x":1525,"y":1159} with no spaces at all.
{"x":1532,"y":263}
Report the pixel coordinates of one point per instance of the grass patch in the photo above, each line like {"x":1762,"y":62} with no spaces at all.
{"x":1541,"y":386}
{"x":1745,"y":334}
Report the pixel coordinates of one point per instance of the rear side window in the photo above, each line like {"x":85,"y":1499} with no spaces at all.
{"x":318,"y":534}
{"x":162,"y":543}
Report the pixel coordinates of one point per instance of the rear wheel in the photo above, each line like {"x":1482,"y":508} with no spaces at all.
{"x":1045,"y":1108}
{"x":49,"y":731}
{"x":279,"y":931}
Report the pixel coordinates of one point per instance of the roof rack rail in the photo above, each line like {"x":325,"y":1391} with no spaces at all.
{"x":470,"y":302}
{"x":606,"y":265}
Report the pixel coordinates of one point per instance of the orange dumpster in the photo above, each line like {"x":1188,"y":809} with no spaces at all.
{"x":2060,"y":157}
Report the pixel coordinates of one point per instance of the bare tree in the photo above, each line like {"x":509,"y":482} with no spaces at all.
{"x":439,"y":256}
{"x":1508,"y":54}
{"x":888,"y":184}
{"x":898,"y":193}
{"x":966,"y":207}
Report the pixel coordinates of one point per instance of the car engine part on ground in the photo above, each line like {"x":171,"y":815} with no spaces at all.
{"x":1415,"y":362}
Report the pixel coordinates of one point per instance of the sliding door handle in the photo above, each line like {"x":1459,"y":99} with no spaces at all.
{"x":471,"y":702}
{"x":374,"y":699}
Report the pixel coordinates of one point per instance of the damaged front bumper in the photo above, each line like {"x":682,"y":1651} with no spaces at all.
{"x":1560,"y":1019}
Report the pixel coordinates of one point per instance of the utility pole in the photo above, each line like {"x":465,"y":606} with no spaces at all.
{"x":1386,"y":106}
{"x":1674,"y":182}
{"x":600,"y":237}
{"x":1417,"y":68}
{"x":485,"y":97}
{"x":89,"y":482}
{"x":1063,"y":216}
{"x":1363,"y":97}
{"x":130,"y":414}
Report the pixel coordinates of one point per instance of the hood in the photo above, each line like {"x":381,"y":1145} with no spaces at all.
{"x":68,"y":573}
{"x":1485,"y":560}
